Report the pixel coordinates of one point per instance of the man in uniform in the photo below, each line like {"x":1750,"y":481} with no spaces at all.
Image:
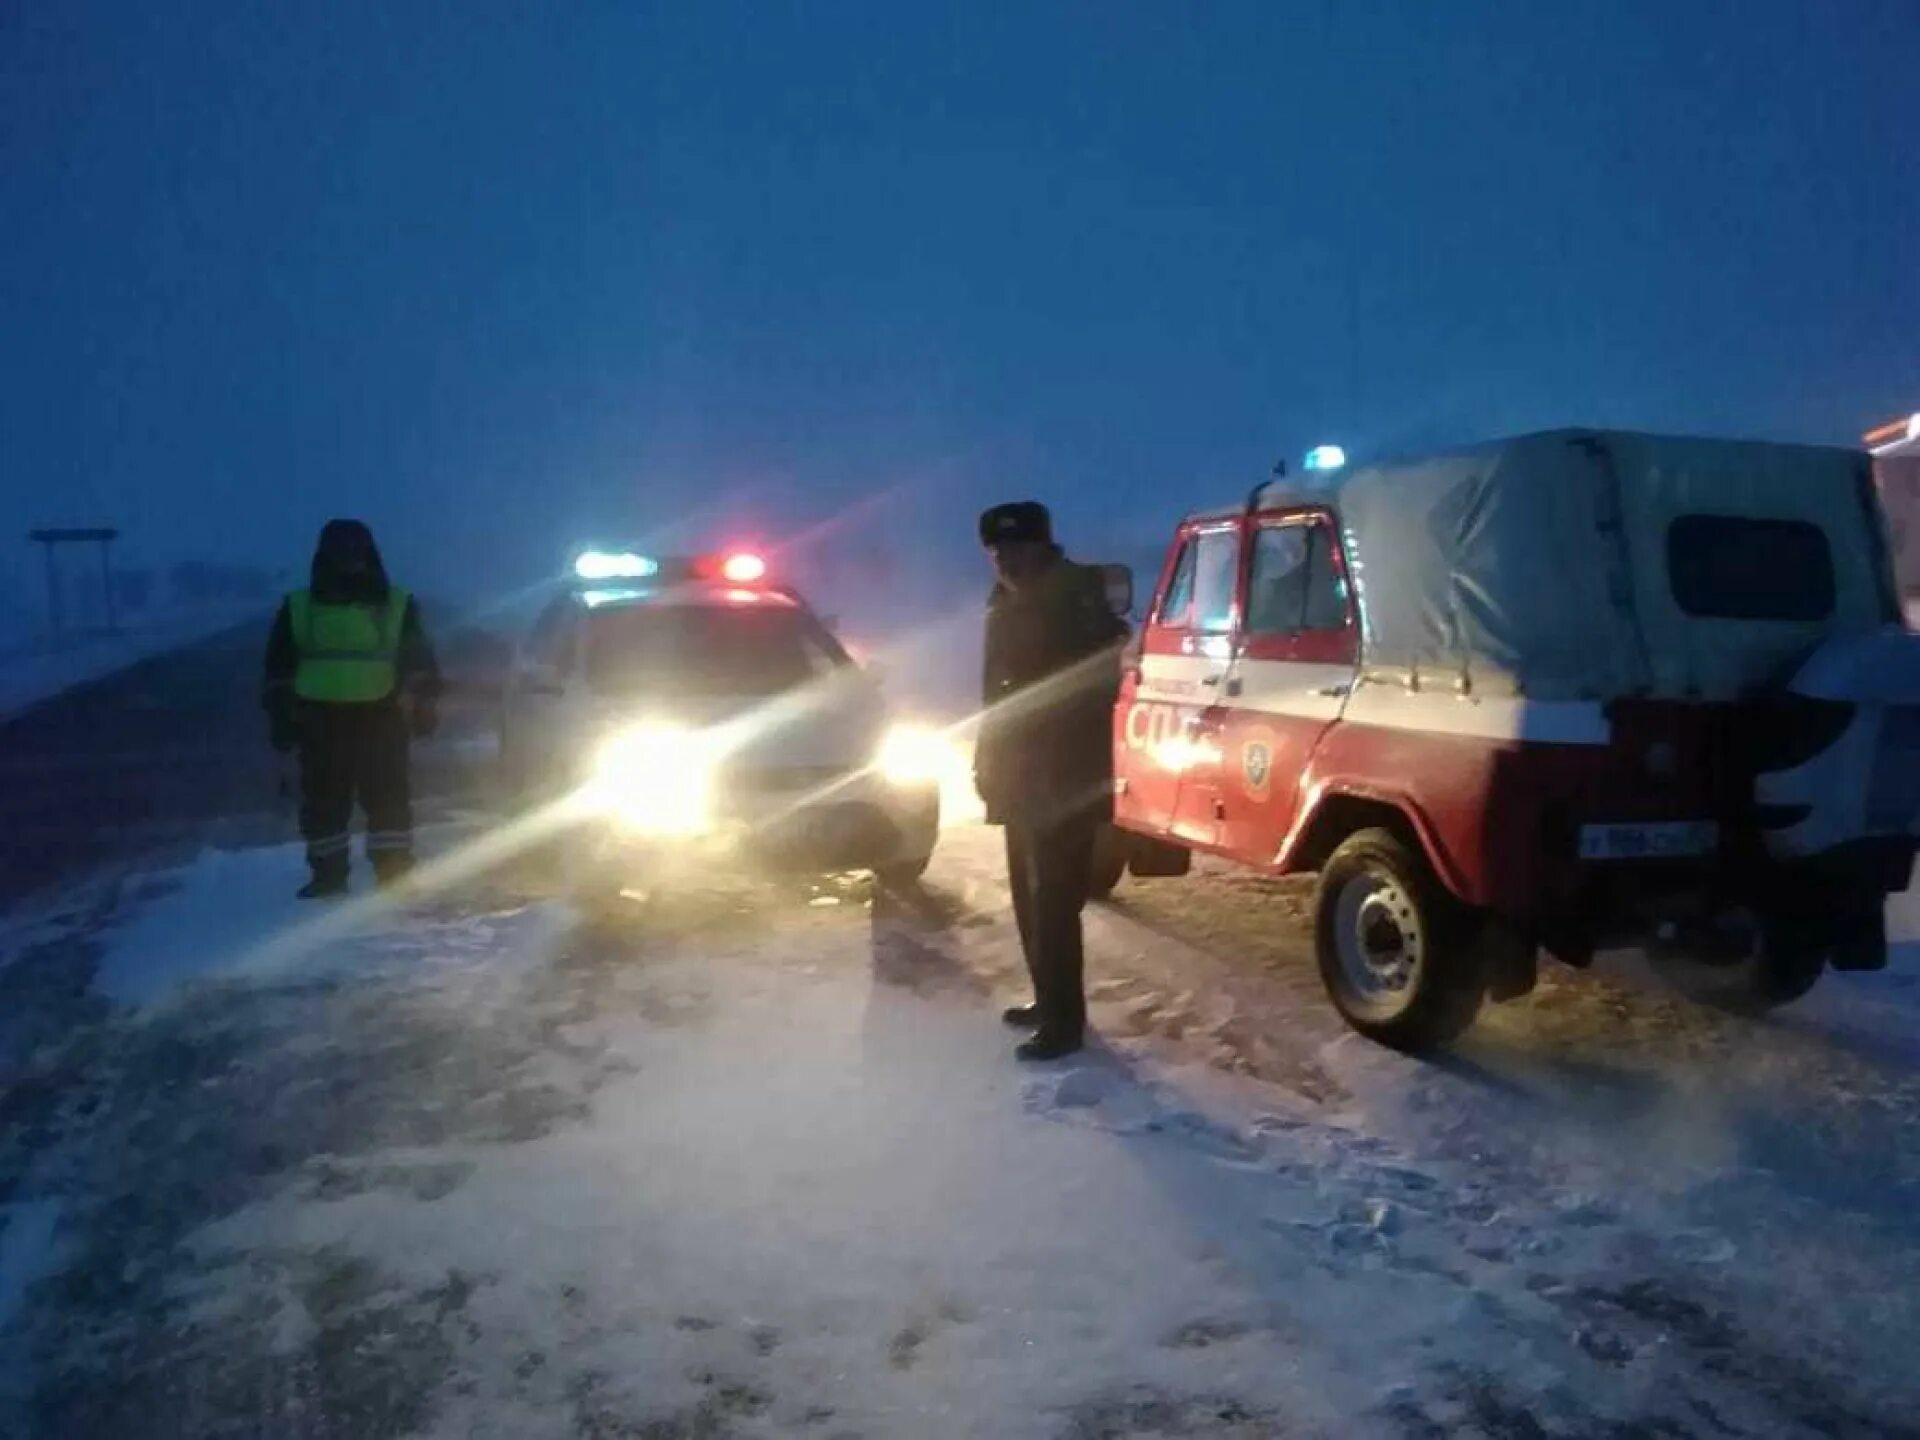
{"x":1044,"y":760}
{"x":349,"y":676}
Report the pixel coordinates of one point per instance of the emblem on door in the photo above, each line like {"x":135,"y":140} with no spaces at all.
{"x":1256,"y":764}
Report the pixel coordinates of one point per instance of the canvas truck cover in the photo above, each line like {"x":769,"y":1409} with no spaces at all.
{"x":1540,"y":566}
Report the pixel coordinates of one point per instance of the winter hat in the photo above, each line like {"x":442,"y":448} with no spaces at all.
{"x":1014,"y":521}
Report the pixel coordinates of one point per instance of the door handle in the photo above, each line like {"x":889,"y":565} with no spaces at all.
{"x":1335,"y":691}
{"x":1209,"y":680}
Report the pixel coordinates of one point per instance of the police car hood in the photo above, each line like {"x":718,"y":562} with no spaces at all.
{"x":837,"y":725}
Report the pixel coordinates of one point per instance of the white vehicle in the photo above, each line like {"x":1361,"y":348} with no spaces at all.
{"x":691,"y":712}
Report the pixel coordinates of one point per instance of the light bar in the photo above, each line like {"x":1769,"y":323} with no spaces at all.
{"x":743,"y":568}
{"x":614,"y":565}
{"x":1325,"y":457}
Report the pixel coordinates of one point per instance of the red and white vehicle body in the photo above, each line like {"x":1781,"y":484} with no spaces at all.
{"x":1554,"y":680}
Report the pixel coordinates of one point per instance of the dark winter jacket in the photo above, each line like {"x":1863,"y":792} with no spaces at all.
{"x":418,"y":672}
{"x":1045,"y":751}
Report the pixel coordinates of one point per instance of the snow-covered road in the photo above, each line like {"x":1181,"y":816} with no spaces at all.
{"x":759,"y":1163}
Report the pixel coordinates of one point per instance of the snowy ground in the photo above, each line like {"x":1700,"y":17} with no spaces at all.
{"x":759,"y":1163}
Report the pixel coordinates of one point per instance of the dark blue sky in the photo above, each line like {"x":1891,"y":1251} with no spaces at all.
{"x":497,"y":276}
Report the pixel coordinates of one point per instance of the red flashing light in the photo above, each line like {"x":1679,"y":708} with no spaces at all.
{"x":743,"y":568}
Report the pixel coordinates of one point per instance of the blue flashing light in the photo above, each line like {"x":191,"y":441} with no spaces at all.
{"x":1325,"y":457}
{"x":614,"y":565}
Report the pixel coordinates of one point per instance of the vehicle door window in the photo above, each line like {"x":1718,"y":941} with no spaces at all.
{"x":1277,"y":586}
{"x":1199,"y":596}
{"x":1176,"y":606}
{"x":1215,"y":571}
{"x":1326,"y":607}
{"x":1294,"y":584}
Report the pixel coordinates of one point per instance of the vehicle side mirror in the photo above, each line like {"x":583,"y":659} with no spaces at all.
{"x":1119,"y":582}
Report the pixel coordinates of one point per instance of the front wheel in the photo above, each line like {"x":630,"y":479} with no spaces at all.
{"x":916,"y":833}
{"x":1109,"y":862}
{"x":1395,"y":949}
{"x":902,"y":874}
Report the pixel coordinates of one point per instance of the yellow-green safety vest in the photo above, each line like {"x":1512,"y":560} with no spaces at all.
{"x":349,"y":654}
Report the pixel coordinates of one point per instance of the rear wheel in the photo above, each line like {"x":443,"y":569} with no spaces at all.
{"x":1781,"y":979}
{"x":1772,"y":961}
{"x":1395,"y":949}
{"x":1789,"y":961}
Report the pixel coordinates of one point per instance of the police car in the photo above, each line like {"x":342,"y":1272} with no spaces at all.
{"x":692,"y":711}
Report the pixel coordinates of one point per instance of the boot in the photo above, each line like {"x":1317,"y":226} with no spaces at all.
{"x":1021,"y":1017}
{"x":1047,"y":1047}
{"x":325,"y":885}
{"x":391,"y":869}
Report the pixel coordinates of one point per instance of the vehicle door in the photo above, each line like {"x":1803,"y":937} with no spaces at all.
{"x":1183,"y":659}
{"x":1294,"y":665}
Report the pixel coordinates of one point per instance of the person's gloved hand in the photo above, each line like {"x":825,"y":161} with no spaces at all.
{"x":282,"y":733}
{"x":426,"y":719}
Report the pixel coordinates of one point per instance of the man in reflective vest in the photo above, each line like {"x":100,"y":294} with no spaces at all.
{"x":349,"y":676}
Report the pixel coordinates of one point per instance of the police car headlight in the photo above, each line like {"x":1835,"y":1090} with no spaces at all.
{"x":913,"y":755}
{"x":656,"y":778}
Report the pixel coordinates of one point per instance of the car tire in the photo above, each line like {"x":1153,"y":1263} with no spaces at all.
{"x":903,"y":874}
{"x":1396,"y":950}
{"x":1109,"y":862}
{"x":913,"y":843}
{"x":1788,"y":962}
{"x":1149,"y":858}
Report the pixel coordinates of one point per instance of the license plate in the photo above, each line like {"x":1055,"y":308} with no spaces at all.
{"x":1665,"y":840}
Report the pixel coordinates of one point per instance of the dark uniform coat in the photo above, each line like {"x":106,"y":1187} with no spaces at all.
{"x":1045,"y":750}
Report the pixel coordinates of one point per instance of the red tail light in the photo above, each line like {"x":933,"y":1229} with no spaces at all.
{"x":743,"y":568}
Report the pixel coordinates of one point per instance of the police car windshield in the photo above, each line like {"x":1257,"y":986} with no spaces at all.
{"x":708,"y":649}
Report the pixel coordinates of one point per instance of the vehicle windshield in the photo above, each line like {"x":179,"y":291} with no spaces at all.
{"x":754,"y":650}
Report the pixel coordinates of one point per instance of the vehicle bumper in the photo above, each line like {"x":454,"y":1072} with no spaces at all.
{"x":862,"y":824}
{"x":1689,"y":903}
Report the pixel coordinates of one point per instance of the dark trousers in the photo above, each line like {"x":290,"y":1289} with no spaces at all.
{"x":1047,"y":869}
{"x":354,"y":753}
